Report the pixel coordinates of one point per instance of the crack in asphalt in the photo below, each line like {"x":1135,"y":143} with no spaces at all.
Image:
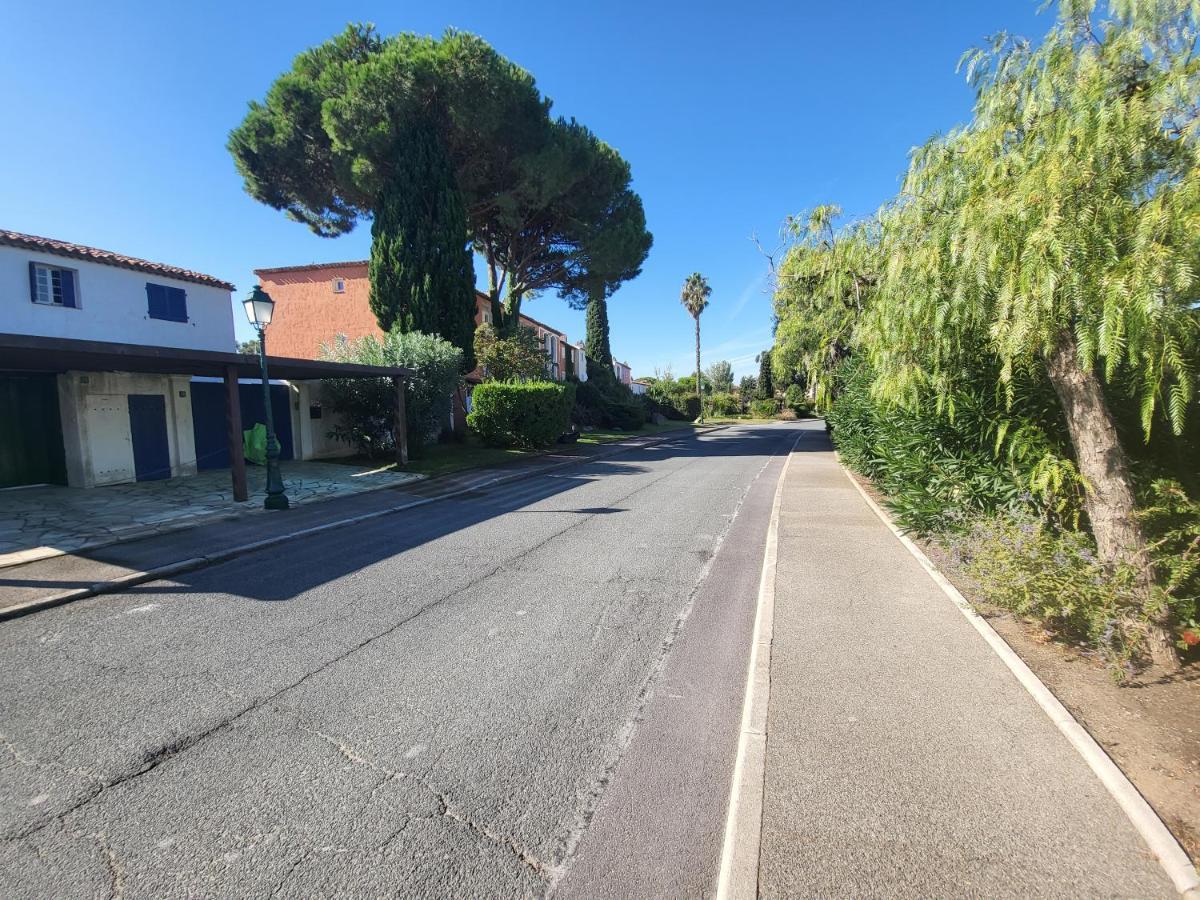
{"x":594,"y":792}
{"x":155,"y":758}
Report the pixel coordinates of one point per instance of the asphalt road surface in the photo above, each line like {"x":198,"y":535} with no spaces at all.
{"x":533,"y":689}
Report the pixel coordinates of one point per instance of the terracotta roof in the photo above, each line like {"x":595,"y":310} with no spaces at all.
{"x":333,"y":265}
{"x":106,"y":257}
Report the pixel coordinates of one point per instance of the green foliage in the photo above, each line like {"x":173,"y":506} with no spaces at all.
{"x":367,"y":405}
{"x":675,"y":399}
{"x":596,"y":344}
{"x":720,"y":376}
{"x":823,"y":285}
{"x":765,"y":385}
{"x":1023,"y":564}
{"x":1068,"y":208}
{"x":608,"y":405}
{"x":523,"y":414}
{"x":747,"y":388}
{"x":422,"y":276}
{"x":518,"y":357}
{"x":764,"y":409}
{"x":694,"y":298}
{"x":548,"y":204}
{"x":794,"y":399}
{"x":248,"y":348}
{"x":724,"y":404}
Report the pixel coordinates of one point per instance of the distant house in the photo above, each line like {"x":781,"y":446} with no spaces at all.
{"x":623,"y":372}
{"x":639,"y":387}
{"x":314,"y":303}
{"x":116,"y":369}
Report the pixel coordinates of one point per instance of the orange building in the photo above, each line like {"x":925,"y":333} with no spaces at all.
{"x":317,"y":302}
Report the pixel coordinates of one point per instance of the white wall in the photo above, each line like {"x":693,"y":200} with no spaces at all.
{"x":112,"y":306}
{"x":310,"y":437}
{"x":95,"y":418}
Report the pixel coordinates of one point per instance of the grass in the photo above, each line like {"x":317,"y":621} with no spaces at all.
{"x":603,"y":437}
{"x":443,"y":459}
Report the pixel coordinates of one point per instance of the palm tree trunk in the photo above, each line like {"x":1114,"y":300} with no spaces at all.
{"x":699,"y":393}
{"x":1109,"y":498}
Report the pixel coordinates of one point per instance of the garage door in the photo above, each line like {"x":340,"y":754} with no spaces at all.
{"x":31,"y":444}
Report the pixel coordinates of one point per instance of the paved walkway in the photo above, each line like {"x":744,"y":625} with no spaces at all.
{"x":903,"y":758}
{"x":38,"y":522}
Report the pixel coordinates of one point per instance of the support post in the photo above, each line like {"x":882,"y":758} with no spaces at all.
{"x":400,"y":430}
{"x":233,"y":425}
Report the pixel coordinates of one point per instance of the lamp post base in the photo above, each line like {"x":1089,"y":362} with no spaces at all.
{"x":276,"y":501}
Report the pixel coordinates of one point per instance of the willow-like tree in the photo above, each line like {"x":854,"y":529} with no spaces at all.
{"x":694,"y":298}
{"x":822,"y":287}
{"x":1059,"y":230}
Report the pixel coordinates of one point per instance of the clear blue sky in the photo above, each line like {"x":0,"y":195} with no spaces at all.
{"x":732,"y":115}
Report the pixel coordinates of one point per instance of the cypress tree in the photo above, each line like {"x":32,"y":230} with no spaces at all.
{"x":422,"y":277}
{"x":766,"y":387}
{"x":596,"y":347}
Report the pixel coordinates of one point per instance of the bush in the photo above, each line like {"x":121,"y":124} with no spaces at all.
{"x":764,"y":409}
{"x":794,"y":399}
{"x":612,"y":405}
{"x":724,"y":405}
{"x":367,"y":405}
{"x":518,"y":357}
{"x":525,"y":414}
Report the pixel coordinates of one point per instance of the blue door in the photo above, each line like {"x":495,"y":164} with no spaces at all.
{"x":208,"y":419}
{"x":148,"y":428}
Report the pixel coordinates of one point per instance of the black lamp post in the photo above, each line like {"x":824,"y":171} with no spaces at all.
{"x":259,"y":308}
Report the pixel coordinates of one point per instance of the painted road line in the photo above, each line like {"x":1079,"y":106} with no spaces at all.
{"x":738,"y":877}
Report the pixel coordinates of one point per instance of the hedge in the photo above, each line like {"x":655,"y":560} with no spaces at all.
{"x":525,"y":414}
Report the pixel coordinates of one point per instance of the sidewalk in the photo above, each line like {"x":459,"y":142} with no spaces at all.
{"x":62,"y":578}
{"x":903,"y":757}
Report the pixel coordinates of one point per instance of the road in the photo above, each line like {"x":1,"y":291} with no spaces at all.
{"x":529,"y":689}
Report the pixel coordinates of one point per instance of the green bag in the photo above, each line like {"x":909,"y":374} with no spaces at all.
{"x":254,"y":444}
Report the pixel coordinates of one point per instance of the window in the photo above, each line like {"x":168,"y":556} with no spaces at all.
{"x":552,"y":353}
{"x":166,"y":303}
{"x":339,"y":285}
{"x":487,"y":316}
{"x":53,"y":286}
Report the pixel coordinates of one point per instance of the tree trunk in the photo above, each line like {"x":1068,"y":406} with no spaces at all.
{"x":1109,"y":490}
{"x":699,"y":392}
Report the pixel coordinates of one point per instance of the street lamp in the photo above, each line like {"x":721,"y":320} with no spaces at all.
{"x":259,"y":308}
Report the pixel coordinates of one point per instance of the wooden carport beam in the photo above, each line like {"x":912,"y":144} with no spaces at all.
{"x":400,"y":431}
{"x":233,"y":426}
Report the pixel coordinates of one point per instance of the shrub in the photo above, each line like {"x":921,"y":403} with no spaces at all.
{"x":764,"y":409}
{"x":518,"y":357}
{"x":367,"y":405}
{"x":794,"y":399}
{"x":525,"y":414}
{"x":1024,"y":564}
{"x":724,"y":405}
{"x":610,"y":405}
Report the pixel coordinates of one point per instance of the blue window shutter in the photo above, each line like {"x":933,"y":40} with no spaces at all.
{"x":68,"y":287}
{"x":156,"y":301}
{"x":177,"y":304}
{"x":33,"y":282}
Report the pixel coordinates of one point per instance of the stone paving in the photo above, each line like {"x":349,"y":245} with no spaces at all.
{"x":39,"y":522}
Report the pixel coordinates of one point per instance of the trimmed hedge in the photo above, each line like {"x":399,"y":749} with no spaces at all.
{"x":525,"y":413}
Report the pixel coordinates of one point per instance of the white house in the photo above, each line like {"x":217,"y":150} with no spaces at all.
{"x":56,"y":289}
{"x":116,"y":369}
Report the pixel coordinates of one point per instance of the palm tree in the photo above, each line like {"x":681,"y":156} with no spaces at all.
{"x":694,"y":298}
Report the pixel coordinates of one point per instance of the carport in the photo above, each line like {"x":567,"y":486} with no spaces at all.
{"x":30,"y":355}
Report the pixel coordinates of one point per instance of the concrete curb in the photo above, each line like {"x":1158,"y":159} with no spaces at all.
{"x":738,"y":877}
{"x":187,"y":565}
{"x":1158,"y":837}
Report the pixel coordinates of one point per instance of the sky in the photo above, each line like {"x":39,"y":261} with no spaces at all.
{"x":732,"y":116}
